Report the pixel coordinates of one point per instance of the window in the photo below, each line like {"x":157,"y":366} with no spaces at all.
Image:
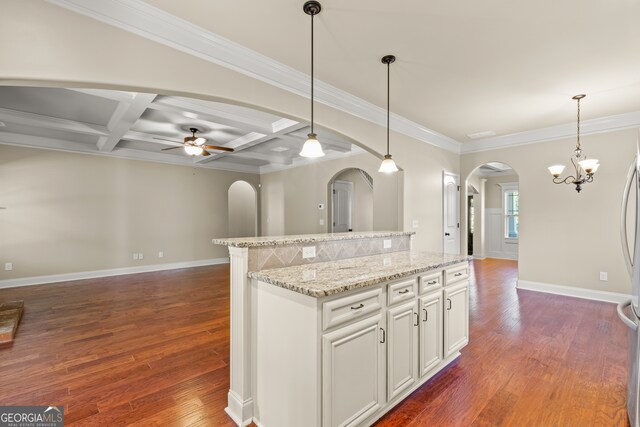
{"x":510,"y":202}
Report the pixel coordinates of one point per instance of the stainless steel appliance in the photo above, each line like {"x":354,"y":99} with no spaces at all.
{"x":632,"y":320}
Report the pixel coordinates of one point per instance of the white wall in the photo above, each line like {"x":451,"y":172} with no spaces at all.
{"x":70,"y":213}
{"x":567,"y":238}
{"x":243,"y":210}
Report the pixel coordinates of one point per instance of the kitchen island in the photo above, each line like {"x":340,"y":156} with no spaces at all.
{"x":342,"y":340}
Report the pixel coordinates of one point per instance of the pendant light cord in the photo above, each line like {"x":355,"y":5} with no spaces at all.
{"x":312,"y":73}
{"x":578,"y":133}
{"x":388,"y":96}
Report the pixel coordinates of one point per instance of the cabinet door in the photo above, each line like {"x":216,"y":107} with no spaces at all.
{"x":353,"y":372}
{"x":402,"y":348}
{"x":430,"y":332}
{"x":456,"y":317}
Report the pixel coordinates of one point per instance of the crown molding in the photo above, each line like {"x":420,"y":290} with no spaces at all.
{"x":155,"y":24}
{"x":567,"y":130}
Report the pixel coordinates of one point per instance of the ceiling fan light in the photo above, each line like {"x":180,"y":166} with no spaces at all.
{"x":200,"y":141}
{"x":311,"y":147}
{"x":556,"y":170}
{"x":388,"y":165}
{"x":193,"y":150}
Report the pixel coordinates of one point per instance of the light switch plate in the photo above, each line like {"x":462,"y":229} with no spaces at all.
{"x":309,"y":252}
{"x":8,"y":266}
{"x":414,"y":223}
{"x":321,"y":206}
{"x":140,"y":255}
{"x":386,"y":243}
{"x":135,"y":256}
{"x":160,"y":254}
{"x":322,"y":222}
{"x":604,"y":276}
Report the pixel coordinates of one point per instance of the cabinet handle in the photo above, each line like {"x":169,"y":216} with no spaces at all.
{"x":384,"y":336}
{"x":458,"y":274}
{"x":449,"y":300}
{"x":426,"y":314}
{"x":417,"y":319}
{"x":404,"y":291}
{"x":357,"y":307}
{"x":433,"y":282}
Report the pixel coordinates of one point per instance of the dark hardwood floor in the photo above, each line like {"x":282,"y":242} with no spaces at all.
{"x":153,"y":349}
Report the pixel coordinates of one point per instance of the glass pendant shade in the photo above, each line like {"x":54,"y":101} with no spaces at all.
{"x":388,"y":165}
{"x":589,"y":165}
{"x":200,"y":141}
{"x":556,"y":170}
{"x":193,"y":150}
{"x":312,"y":147}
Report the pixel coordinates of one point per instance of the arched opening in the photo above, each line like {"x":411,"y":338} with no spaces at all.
{"x":243,"y":210}
{"x":492,"y":211}
{"x":350,"y":201}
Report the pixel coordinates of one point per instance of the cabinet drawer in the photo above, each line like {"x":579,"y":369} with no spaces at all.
{"x":401,"y":291}
{"x":430,"y":282}
{"x":456,"y":273}
{"x":343,"y":310}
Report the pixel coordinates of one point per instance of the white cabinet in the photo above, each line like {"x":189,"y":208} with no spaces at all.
{"x":353,"y":372}
{"x":430,"y":332}
{"x":456,"y":317}
{"x":402,"y":344}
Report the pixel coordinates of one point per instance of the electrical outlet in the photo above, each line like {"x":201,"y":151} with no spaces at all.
{"x":309,"y":252}
{"x":386,"y":243}
{"x":8,"y":266}
{"x":140,"y":255}
{"x":135,"y":256}
{"x":415,"y":223}
{"x":322,"y":222}
{"x":604,"y":276}
{"x":160,"y":254}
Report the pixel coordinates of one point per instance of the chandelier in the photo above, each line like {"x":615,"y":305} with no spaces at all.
{"x":584,"y":168}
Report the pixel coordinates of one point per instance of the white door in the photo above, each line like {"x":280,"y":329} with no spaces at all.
{"x":451,"y":212}
{"x":341,"y":211}
{"x":402,"y":349}
{"x":430,"y":332}
{"x":353,"y":372}
{"x":456,"y":318}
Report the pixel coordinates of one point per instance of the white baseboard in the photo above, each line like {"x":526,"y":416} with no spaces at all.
{"x":571,"y":291}
{"x":479,"y":257}
{"x":65,"y":277}
{"x":503,"y":255}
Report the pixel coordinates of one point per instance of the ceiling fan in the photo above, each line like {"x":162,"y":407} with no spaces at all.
{"x":195,"y":145}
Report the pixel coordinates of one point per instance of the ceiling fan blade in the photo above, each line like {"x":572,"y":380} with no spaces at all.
{"x":205,"y":152}
{"x":215,"y":147}
{"x":170,"y":148}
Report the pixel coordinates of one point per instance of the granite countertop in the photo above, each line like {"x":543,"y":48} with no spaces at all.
{"x":328,"y":278}
{"x":248,"y":242}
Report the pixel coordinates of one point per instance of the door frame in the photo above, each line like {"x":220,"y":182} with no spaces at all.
{"x":333,"y":205}
{"x":456,"y":177}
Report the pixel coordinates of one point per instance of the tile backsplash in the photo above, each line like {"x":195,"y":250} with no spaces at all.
{"x":266,"y":257}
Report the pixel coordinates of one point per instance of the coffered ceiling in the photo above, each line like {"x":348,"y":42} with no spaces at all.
{"x":140,"y":125}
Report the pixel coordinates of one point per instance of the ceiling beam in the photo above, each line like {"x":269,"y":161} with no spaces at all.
{"x":125,"y":116}
{"x":52,"y":123}
{"x":271,"y":158}
{"x":224,"y":114}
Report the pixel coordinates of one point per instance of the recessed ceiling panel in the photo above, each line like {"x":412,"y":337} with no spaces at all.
{"x":60,"y":103}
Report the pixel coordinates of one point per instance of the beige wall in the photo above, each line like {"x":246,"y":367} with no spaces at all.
{"x":568,"y":238}
{"x":290,"y":198}
{"x":243,"y":210}
{"x":72,"y":212}
{"x":362,"y":206}
{"x":494,"y":191}
{"x":67,"y":49}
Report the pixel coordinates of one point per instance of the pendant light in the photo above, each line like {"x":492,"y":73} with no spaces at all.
{"x":388,"y":165}
{"x":584,"y":168}
{"x":312,"y":147}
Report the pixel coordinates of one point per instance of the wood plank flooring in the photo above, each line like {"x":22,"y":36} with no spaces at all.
{"x":153,"y":349}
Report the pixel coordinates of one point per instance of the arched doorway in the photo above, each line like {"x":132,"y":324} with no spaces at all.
{"x":351,"y":201}
{"x":492,"y":207}
{"x":243,"y":212}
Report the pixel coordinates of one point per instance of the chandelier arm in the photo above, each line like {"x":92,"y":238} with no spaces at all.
{"x":568,"y":180}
